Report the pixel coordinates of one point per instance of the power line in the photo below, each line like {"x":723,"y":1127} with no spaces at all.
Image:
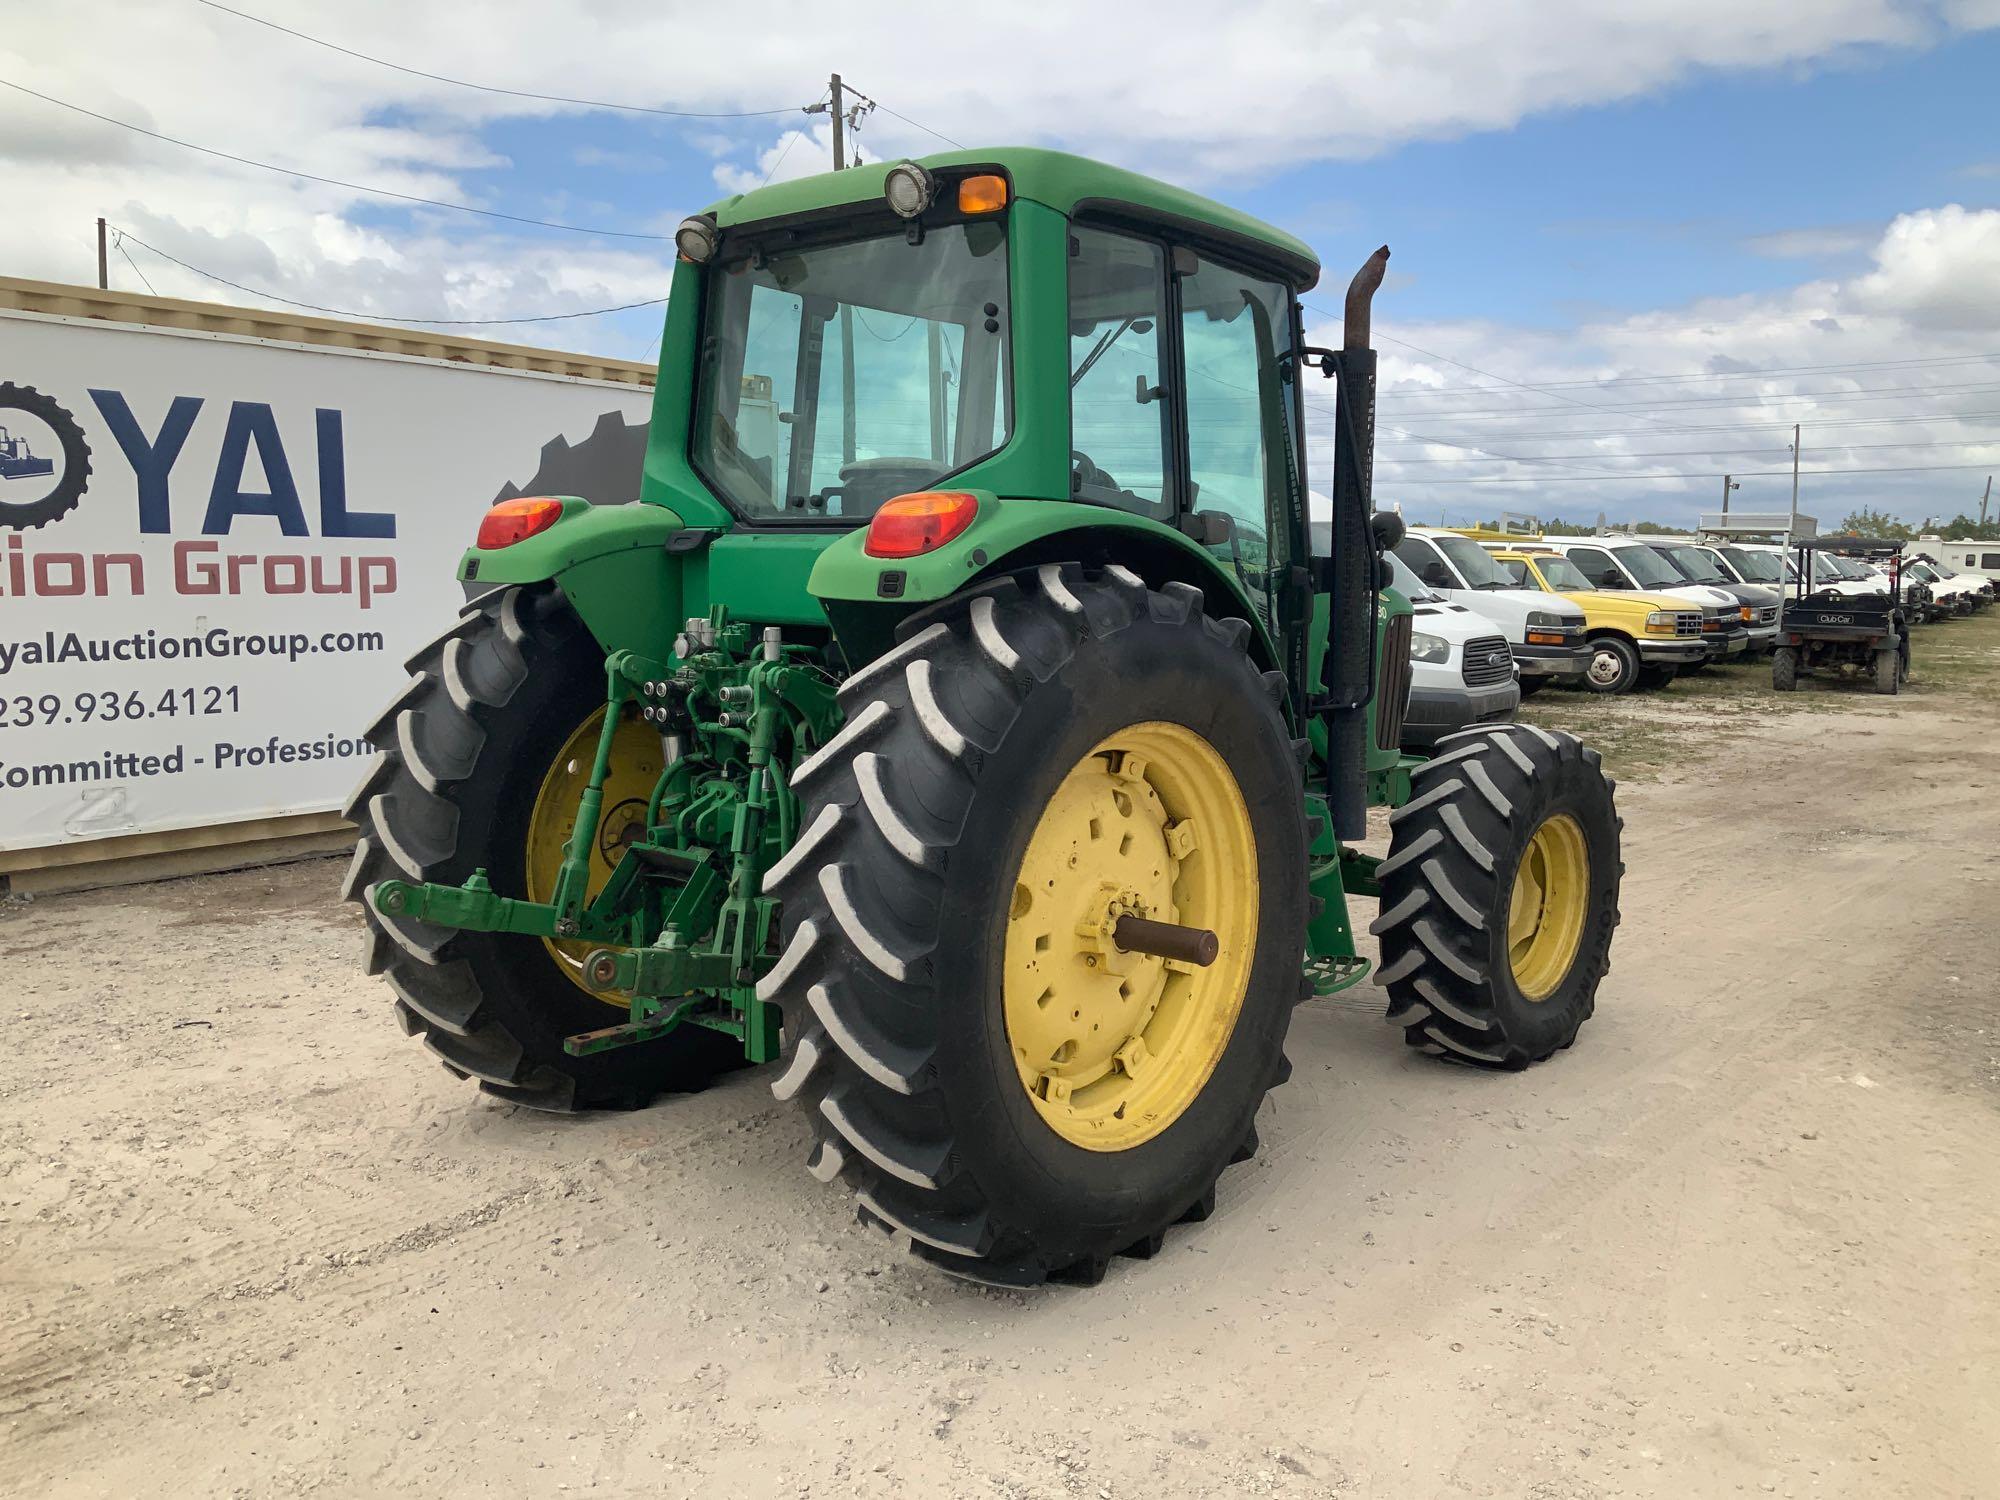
{"x":487,"y":88}
{"x":927,"y":130}
{"x":1718,"y":452}
{"x":1710,"y":478}
{"x":1523,"y":437}
{"x":372,"y":317}
{"x":792,"y":140}
{"x":133,"y":263}
{"x":463,"y":208}
{"x":1751,"y":374}
{"x":1866,"y":393}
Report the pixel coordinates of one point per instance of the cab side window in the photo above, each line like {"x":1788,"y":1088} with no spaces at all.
{"x":1599,"y":567}
{"x":1120,"y":417}
{"x":1240,"y":446}
{"x":1517,"y":571}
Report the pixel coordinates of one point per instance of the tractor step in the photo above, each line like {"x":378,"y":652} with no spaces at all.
{"x":1329,"y":976}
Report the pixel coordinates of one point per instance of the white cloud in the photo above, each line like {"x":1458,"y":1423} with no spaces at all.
{"x":1905,"y":378}
{"x":1198,"y":94}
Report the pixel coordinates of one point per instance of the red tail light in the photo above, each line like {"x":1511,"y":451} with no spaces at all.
{"x":514,"y":521}
{"x":911,"y":525}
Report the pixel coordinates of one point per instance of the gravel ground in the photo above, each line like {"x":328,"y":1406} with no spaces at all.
{"x":1740,"y":1239}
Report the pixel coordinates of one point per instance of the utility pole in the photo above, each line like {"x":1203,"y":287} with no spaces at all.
{"x":839,"y":121}
{"x":103,"y":265}
{"x":1795,"y":481}
{"x":1804,"y":564}
{"x":1728,"y":484}
{"x":1983,"y":499}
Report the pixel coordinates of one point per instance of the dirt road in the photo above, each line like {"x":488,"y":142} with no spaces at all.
{"x":1744,"y":1237}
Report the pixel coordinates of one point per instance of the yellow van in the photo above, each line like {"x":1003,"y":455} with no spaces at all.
{"x":1636,"y":640}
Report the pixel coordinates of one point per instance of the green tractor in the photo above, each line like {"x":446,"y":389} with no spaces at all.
{"x":963,"y":720}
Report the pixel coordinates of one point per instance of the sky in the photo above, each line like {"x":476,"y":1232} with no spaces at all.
{"x":1600,"y":215}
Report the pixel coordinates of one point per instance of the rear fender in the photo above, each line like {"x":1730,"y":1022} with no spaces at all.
{"x":866,"y":598}
{"x":610,"y":561}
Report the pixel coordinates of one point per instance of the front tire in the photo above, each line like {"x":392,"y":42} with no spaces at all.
{"x":465,"y":751}
{"x":923,"y":990}
{"x":1614,"y":665}
{"x":1785,"y":669}
{"x":1499,"y":896}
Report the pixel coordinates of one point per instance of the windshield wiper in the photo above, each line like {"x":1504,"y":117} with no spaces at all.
{"x":1097,"y":352}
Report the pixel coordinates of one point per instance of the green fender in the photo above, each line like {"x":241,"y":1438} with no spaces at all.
{"x":611,"y":563}
{"x":865,"y":597}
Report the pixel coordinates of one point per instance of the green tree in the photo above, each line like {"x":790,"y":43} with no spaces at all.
{"x":1876,"y":523}
{"x":1967,"y":528}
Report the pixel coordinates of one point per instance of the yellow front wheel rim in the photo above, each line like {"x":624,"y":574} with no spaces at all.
{"x":1112,"y":1047}
{"x":1551,"y":899}
{"x":635,"y":770}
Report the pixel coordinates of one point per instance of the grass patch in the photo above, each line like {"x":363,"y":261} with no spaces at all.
{"x":1644,"y":735}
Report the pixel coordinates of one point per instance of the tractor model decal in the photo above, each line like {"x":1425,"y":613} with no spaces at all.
{"x":34,"y":487}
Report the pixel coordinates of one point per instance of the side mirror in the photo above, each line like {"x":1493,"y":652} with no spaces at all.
{"x":1388,"y":528}
{"x":1148,"y":393}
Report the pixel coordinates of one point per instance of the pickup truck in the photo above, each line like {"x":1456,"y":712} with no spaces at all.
{"x":1636,"y":639}
{"x":1545,"y":632}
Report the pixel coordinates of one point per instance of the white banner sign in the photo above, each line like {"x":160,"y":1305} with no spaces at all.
{"x":216,"y":552}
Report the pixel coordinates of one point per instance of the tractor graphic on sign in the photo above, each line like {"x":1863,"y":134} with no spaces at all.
{"x":24,"y":505}
{"x":18,"y":462}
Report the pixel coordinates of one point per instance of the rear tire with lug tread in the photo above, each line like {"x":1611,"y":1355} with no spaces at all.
{"x":463,"y":750}
{"x":1499,"y":896}
{"x":1785,"y":669}
{"x":899,"y":899}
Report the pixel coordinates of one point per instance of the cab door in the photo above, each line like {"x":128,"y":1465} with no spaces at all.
{"x":1241,"y":449}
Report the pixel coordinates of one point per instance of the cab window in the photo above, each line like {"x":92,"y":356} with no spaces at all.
{"x":1425,"y":561}
{"x":1121,"y":422}
{"x":1238,"y":397}
{"x":1518,"y":570}
{"x":1598,"y":566}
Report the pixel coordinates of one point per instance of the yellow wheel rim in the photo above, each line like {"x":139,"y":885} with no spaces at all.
{"x":635,"y":770}
{"x":1551,"y":899}
{"x":1112,"y":1047}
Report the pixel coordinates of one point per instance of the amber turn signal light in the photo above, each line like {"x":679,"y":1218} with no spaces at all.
{"x":514,"y":521}
{"x":911,"y":525}
{"x":984,"y":194}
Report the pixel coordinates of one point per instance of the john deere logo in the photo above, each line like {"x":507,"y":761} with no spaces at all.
{"x":44,"y":461}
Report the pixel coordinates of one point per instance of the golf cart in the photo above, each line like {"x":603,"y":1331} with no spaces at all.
{"x":1826,"y":628}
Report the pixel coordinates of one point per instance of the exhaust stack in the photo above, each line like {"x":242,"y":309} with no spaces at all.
{"x":1347,"y":674}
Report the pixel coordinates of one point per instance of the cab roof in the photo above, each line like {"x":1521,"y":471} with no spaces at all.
{"x":1070,"y":185}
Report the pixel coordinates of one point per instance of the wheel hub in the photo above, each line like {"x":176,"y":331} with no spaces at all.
{"x":1551,"y":898}
{"x":1112,"y":1045}
{"x":1605,"y":668}
{"x":635,"y":768}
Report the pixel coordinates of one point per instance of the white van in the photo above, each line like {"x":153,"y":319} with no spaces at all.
{"x":1619,"y":562}
{"x":1461,"y":669}
{"x":1544,"y":631}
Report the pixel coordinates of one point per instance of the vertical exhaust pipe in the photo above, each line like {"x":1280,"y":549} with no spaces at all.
{"x":1347,"y":673}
